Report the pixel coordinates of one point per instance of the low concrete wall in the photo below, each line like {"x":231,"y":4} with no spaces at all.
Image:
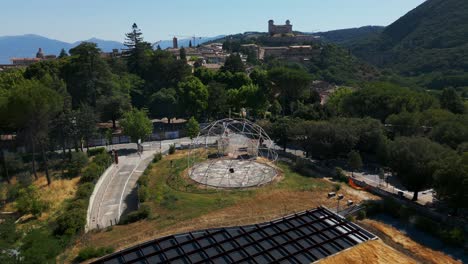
{"x":97,"y":186}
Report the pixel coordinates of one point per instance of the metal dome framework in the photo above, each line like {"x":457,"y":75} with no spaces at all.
{"x":238,"y":153}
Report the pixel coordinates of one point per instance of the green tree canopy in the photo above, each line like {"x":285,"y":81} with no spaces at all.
{"x":136,"y":125}
{"x":413,"y":161}
{"x":193,"y":97}
{"x":233,"y":64}
{"x":192,"y":127}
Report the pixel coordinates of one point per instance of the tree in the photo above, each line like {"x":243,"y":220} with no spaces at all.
{"x":112,"y":107}
{"x":163,"y":103}
{"x":280,"y":131}
{"x":138,"y":51}
{"x":31,"y":107}
{"x":218,"y":100}
{"x":451,"y":180}
{"x":190,"y":44}
{"x":354,"y":161}
{"x":405,"y":124}
{"x":192,"y":127}
{"x":86,"y":120}
{"x":136,"y":125}
{"x":87,"y":75}
{"x":451,"y":133}
{"x":183,"y":54}
{"x":290,"y":84}
{"x":335,"y":100}
{"x":252,"y":98}
{"x":233,"y":64}
{"x":451,"y":101}
{"x":413,"y":161}
{"x":63,"y":54}
{"x":193,"y":97}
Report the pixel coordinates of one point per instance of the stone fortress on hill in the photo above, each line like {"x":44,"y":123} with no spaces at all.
{"x":283,"y":43}
{"x":279,"y":29}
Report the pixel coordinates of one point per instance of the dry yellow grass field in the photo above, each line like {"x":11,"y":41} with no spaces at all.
{"x":375,"y":252}
{"x":419,"y":251}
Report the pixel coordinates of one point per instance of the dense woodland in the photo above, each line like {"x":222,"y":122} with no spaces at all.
{"x":419,"y":135}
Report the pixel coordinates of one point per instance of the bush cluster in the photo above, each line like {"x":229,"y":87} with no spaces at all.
{"x":172,"y":149}
{"x":142,"y":213}
{"x":96,"y":151}
{"x":77,"y":162}
{"x":92,"y":252}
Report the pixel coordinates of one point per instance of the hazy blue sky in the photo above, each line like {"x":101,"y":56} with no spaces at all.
{"x":72,"y":20}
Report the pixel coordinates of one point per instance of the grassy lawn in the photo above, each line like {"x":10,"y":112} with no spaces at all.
{"x":174,"y":197}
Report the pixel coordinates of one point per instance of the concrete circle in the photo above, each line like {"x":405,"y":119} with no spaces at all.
{"x":230,"y":173}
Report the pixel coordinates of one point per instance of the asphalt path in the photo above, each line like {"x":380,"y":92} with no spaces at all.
{"x":115,"y":194}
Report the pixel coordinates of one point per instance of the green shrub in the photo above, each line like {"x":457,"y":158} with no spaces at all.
{"x":299,"y":165}
{"x":143,"y":193}
{"x":77,"y":163}
{"x":84,"y":191}
{"x":103,"y":160}
{"x":71,"y":222}
{"x":143,"y":180}
{"x":425,"y":224}
{"x":142,"y":213}
{"x":92,"y":252}
{"x":39,"y":246}
{"x":91,"y":173}
{"x":337,"y":187}
{"x":96,"y":151}
{"x":391,"y":207}
{"x":28,"y":201}
{"x":453,"y":237}
{"x":172,"y":149}
{"x":361,"y":215}
{"x":373,"y":207}
{"x":157,"y":157}
{"x":340,"y":175}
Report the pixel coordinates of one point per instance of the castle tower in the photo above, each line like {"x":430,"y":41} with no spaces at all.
{"x":175,"y":43}
{"x":271,"y":27}
{"x":40,"y":54}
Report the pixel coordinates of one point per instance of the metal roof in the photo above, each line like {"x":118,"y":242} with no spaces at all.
{"x":299,"y":238}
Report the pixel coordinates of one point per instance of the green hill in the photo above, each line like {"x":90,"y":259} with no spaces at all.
{"x":431,"y":38}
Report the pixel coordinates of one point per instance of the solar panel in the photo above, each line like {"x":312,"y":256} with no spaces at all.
{"x":299,"y":238}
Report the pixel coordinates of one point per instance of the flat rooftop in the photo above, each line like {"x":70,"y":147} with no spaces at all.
{"x":299,"y":238}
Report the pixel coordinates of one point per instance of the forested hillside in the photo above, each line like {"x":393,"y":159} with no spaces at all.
{"x":431,"y":39}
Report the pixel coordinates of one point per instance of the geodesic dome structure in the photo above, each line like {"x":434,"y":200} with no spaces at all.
{"x":232,"y":153}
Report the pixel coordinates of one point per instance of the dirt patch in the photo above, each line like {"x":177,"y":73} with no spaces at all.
{"x":405,"y":244}
{"x":374,"y":251}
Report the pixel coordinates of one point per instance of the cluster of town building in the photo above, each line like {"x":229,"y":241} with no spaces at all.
{"x":284,"y":46}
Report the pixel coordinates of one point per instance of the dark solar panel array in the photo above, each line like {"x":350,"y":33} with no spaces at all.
{"x":300,"y":238}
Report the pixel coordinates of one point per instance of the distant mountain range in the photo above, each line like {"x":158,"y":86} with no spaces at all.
{"x":28,"y":45}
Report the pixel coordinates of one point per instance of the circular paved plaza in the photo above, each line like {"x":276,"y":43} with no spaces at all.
{"x":228,"y":173}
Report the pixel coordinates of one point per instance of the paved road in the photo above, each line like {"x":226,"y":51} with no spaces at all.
{"x":115,"y":192}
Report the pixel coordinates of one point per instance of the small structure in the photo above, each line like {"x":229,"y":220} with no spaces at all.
{"x":232,"y":153}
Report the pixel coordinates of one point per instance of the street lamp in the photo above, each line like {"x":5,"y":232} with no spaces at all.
{"x":339,"y":197}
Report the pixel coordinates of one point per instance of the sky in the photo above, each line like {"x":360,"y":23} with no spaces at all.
{"x":73,"y":20}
